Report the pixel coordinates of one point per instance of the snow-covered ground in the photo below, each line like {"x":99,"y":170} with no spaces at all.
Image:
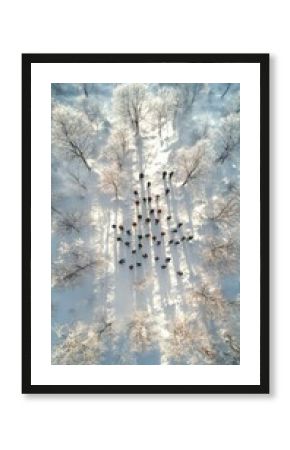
{"x":126,"y":290}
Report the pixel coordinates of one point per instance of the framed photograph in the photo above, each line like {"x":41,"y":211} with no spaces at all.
{"x":145,"y":223}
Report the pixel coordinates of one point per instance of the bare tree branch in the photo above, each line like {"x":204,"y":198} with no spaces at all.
{"x":67,"y":222}
{"x":222,"y":254}
{"x":228,"y":138}
{"x":129,"y":101}
{"x":72,"y":132}
{"x":112,"y":180}
{"x":75,"y":261}
{"x":226,"y":90}
{"x":118,"y":150}
{"x":77,"y":180}
{"x":190,"y":163}
{"x":226,"y":211}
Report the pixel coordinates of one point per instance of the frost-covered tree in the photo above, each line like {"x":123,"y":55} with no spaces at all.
{"x":77,"y":180}
{"x":142,"y":331}
{"x":129,"y":103}
{"x":174,"y":104}
{"x":118,"y":150}
{"x":74,"y":261}
{"x":72,"y":220}
{"x":225,"y":211}
{"x":159,"y":110}
{"x":91,"y":106}
{"x":208,"y":296}
{"x":188,"y":94}
{"x":217,"y":320}
{"x":81,"y":343}
{"x":191,"y":162}
{"x":73,"y":133}
{"x":227,"y":137}
{"x":112,"y":180}
{"x":222,"y":253}
{"x":67,"y":222}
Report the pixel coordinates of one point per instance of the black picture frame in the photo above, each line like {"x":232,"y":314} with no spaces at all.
{"x":263,"y":61}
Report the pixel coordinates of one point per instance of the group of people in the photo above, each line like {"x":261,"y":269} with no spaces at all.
{"x":147,"y":227}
